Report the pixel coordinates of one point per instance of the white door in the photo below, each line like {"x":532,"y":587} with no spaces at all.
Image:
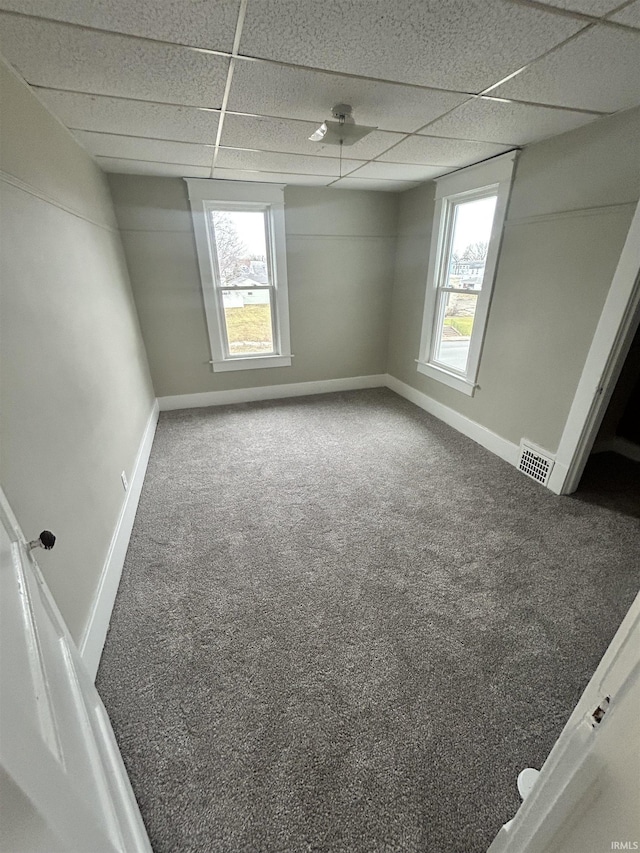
{"x":587,"y":796}
{"x":63,"y":786}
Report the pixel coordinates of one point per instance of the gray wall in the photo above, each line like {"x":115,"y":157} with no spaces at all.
{"x":75,"y":390}
{"x":571,"y":205}
{"x":340,"y":257}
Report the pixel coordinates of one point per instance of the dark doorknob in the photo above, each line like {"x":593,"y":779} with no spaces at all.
{"x":46,"y":540}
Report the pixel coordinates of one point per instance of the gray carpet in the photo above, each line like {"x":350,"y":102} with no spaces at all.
{"x":342,"y":626}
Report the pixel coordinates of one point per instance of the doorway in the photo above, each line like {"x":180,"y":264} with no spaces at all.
{"x":610,"y":347}
{"x":611,"y":476}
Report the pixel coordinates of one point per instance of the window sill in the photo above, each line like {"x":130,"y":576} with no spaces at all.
{"x":251,"y":362}
{"x":450,"y":379}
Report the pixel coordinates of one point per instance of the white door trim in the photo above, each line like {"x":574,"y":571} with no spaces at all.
{"x":571,"y":773}
{"x":611,"y":341}
{"x":59,"y":761}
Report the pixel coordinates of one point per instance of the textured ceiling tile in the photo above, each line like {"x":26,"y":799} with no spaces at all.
{"x":399,"y":171}
{"x":464,"y":45}
{"x":201,"y":24}
{"x":134,"y":118}
{"x":378,"y":186}
{"x":276,"y":134}
{"x":63,"y":57}
{"x":276,"y":90}
{"x":589,"y":7}
{"x":509,"y":123}
{"x":630,"y":15}
{"x":267,"y":161}
{"x":272,"y":178}
{"x":144,"y":167}
{"x":434,"y":151}
{"x":598,"y":70}
{"x":132,"y":148}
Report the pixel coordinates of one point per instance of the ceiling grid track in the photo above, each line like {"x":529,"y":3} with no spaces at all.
{"x":242,"y":11}
{"x":261,"y":131}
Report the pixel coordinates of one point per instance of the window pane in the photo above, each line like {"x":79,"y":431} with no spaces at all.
{"x":472,"y":221}
{"x":457,"y":312}
{"x":247,"y":314}
{"x":241,"y":247}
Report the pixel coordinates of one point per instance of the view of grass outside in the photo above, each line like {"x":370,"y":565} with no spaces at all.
{"x":460,"y":324}
{"x":241,"y":253}
{"x":249,"y":329}
{"x":457,"y":327}
{"x":468,"y":236}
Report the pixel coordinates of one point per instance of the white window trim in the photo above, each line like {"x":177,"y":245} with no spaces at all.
{"x":495,"y":174}
{"x":205,"y":195}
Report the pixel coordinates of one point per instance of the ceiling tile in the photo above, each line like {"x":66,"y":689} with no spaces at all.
{"x":268,"y":161}
{"x":399,"y":171}
{"x":145,"y":167}
{"x":276,"y":90}
{"x":272,"y":177}
{"x":134,"y":148}
{"x":510,"y":123}
{"x":277,"y":134}
{"x":598,"y":8}
{"x":134,"y":118}
{"x":378,"y":186}
{"x":598,"y":70}
{"x":464,"y":45}
{"x":61,"y":57}
{"x":208,"y":25}
{"x":630,"y":15}
{"x":434,"y":151}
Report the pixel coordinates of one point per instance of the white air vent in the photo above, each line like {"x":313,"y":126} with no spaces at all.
{"x":534,"y":463}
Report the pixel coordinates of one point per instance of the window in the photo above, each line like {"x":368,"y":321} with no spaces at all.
{"x":240,"y":239}
{"x":467,"y":229}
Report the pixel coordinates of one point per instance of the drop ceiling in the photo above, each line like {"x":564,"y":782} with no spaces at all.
{"x":233,"y":88}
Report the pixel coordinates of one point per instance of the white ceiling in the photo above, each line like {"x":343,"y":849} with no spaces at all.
{"x":233,"y":88}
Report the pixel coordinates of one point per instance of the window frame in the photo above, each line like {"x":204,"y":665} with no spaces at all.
{"x":494,"y":177}
{"x":206,"y":195}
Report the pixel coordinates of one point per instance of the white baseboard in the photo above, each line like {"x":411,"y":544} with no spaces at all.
{"x":95,"y":633}
{"x":496,"y":444}
{"x":270,"y":392}
{"x":619,"y":445}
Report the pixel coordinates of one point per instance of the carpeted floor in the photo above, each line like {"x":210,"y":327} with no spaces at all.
{"x":342,"y":626}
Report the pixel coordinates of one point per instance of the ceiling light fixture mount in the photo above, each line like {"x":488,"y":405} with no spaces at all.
{"x":344,"y":131}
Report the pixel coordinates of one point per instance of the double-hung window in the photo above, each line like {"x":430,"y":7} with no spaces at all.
{"x":467,"y":229}
{"x":239,"y":229}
